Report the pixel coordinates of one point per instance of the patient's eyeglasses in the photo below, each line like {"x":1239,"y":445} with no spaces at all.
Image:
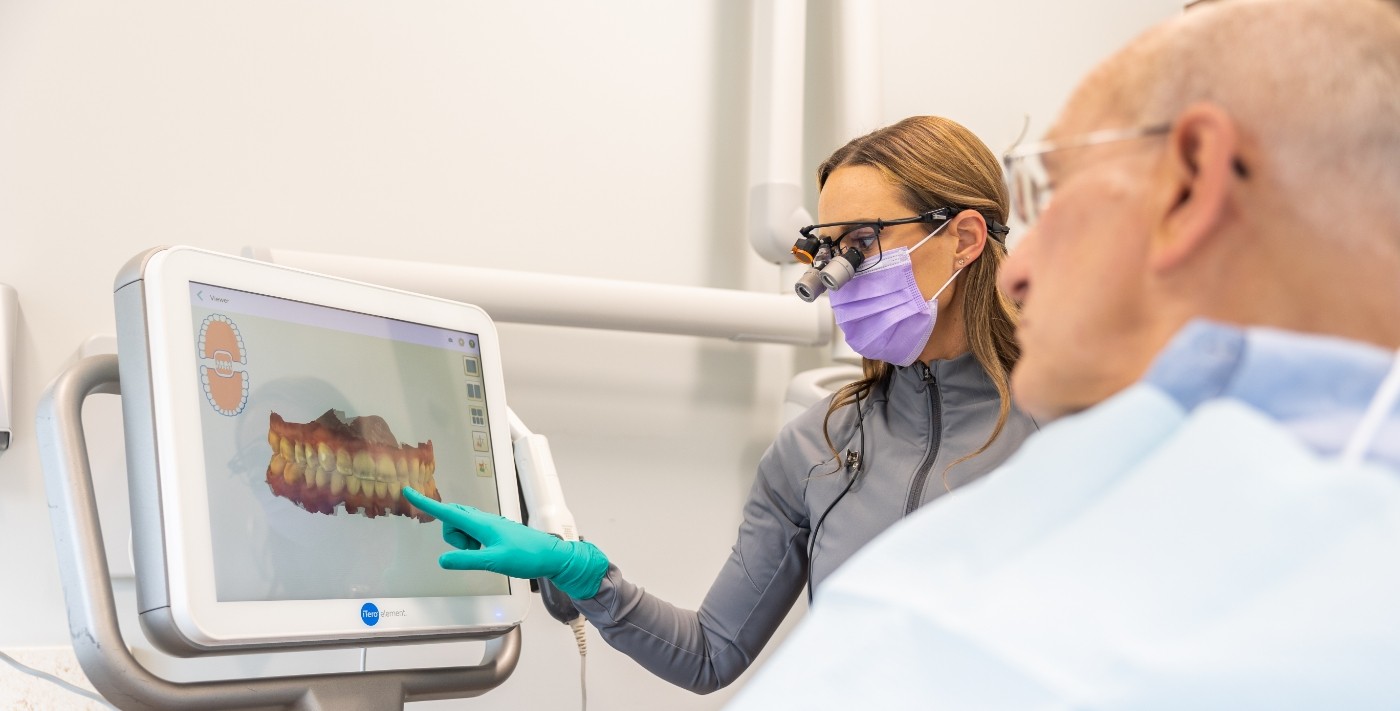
{"x":1029,"y":183}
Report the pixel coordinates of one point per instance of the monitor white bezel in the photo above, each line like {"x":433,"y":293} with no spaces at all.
{"x":184,"y":504}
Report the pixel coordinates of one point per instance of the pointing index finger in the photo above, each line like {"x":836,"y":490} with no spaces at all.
{"x":432,"y":507}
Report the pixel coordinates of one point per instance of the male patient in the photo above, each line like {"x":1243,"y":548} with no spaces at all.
{"x":1212,"y":308}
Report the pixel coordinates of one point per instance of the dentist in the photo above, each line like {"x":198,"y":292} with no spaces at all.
{"x":924,"y":203}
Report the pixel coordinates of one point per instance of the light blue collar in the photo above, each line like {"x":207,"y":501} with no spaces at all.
{"x":1317,"y":387}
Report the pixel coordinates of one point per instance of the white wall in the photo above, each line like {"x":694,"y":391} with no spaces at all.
{"x":603,"y":139}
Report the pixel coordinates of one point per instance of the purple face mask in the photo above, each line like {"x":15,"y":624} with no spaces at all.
{"x":883,"y":313}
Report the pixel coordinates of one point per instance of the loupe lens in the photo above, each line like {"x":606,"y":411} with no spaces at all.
{"x":810,"y":286}
{"x":842,"y":269}
{"x":837,"y":273}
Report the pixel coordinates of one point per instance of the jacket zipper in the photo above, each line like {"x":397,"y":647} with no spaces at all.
{"x":916,"y":490}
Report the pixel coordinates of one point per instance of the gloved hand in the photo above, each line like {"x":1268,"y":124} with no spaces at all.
{"x":500,"y":545}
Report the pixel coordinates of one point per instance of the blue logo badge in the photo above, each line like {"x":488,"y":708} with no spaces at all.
{"x":369,"y":614}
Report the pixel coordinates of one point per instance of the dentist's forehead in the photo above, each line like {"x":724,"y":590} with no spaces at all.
{"x":859,"y":192}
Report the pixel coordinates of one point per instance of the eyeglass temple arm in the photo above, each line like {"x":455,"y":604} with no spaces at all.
{"x":943,"y":213}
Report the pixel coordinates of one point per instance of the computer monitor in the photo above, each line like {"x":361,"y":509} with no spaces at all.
{"x":272,"y":417}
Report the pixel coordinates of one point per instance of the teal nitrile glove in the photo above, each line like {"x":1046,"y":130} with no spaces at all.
{"x":500,"y":545}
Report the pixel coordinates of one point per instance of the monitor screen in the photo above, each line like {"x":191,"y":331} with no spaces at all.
{"x":313,"y":419}
{"x":273,"y":417}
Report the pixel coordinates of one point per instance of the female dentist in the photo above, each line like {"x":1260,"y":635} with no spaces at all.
{"x":924,"y":202}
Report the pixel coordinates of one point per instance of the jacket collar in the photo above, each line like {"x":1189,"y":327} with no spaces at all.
{"x":956,"y":378}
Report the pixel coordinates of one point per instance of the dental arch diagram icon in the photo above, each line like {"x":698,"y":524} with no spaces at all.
{"x":223,"y":365}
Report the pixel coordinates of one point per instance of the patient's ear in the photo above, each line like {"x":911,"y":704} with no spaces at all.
{"x":1195,"y":182}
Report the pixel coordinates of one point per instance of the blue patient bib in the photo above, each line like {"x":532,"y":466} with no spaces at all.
{"x":1134,"y":556}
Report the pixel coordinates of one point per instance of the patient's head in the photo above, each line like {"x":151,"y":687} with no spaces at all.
{"x":1240,"y":163}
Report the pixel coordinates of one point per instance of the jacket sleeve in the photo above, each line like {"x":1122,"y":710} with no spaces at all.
{"x":707,"y":649}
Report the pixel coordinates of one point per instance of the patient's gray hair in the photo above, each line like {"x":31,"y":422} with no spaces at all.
{"x":1316,"y":83}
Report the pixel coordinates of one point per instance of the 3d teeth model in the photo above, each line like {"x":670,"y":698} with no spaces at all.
{"x":358,"y":462}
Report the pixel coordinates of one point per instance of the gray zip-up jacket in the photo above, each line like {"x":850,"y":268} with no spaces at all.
{"x":925,"y":419}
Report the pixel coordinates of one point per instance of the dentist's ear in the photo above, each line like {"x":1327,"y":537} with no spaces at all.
{"x":970,"y":228}
{"x":1194,"y":183}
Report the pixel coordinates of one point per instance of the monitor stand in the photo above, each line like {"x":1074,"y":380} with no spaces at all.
{"x":92,"y":614}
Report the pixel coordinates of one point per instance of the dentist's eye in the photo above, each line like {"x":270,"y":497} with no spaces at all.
{"x":865,"y":238}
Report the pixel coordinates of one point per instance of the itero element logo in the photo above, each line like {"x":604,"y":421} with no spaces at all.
{"x":223,"y":365}
{"x":369,"y":614}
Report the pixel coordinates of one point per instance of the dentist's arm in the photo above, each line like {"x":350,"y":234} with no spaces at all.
{"x":500,"y":545}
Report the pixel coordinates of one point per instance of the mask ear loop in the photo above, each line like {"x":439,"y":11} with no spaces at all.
{"x":1386,"y":396}
{"x":944,"y":288}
